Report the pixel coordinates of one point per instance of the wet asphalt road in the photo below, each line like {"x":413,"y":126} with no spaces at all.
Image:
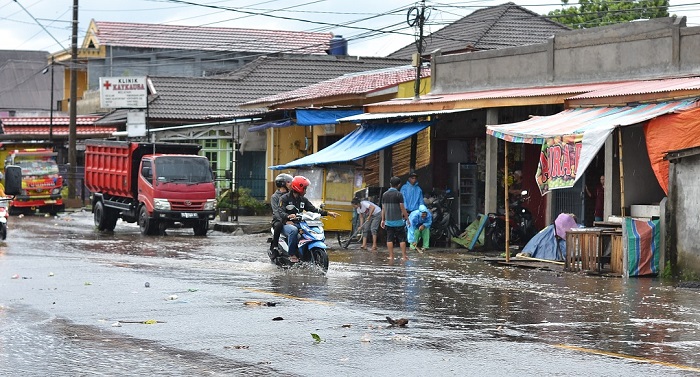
{"x":73,"y":301}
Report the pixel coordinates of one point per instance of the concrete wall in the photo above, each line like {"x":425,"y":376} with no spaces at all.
{"x":633,"y":50}
{"x":684,"y":187}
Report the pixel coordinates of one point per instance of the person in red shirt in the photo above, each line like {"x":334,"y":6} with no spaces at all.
{"x":599,"y":196}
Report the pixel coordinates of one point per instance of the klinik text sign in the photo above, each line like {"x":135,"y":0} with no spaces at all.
{"x":123,"y":92}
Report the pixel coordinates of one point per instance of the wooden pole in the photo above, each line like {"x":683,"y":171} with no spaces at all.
{"x":505,"y":185}
{"x":622,"y":172}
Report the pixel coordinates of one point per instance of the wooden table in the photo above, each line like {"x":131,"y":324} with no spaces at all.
{"x":585,"y":249}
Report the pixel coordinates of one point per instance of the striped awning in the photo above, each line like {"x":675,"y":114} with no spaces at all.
{"x":582,"y":121}
{"x":582,"y":131}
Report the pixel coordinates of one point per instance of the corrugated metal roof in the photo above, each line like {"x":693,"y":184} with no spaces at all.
{"x":580,"y":120}
{"x":58,"y":130}
{"x":644,"y":87}
{"x":500,"y":93}
{"x":81,"y":120}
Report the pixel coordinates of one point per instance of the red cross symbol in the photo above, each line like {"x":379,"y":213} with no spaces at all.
{"x":107,"y":84}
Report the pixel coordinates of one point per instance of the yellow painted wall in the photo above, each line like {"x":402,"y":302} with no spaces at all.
{"x":407,"y":89}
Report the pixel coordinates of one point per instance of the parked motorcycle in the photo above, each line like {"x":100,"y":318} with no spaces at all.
{"x":312,"y":246}
{"x":444,"y":227}
{"x":4,"y":215}
{"x":521,"y":225}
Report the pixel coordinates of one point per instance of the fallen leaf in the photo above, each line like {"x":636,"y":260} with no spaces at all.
{"x":316,"y":337}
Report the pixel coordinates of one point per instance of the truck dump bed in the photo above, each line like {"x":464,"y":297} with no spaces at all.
{"x":111,"y":167}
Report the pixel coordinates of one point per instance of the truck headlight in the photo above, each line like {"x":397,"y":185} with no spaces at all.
{"x":210,"y":205}
{"x":56,"y":191}
{"x":161,"y":204}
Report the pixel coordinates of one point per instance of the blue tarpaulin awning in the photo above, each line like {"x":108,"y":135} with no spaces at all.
{"x":264,"y":126}
{"x":362,"y":142}
{"x":315,"y":117}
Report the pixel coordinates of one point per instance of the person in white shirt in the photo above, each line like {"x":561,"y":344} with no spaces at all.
{"x":372,"y":214}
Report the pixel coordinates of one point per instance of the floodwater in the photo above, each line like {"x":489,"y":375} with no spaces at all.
{"x":73,"y":301}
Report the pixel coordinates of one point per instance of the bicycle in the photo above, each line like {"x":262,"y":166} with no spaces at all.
{"x":355,"y":235}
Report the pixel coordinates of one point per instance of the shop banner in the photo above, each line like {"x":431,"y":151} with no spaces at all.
{"x":558,"y":162}
{"x":564,"y":159}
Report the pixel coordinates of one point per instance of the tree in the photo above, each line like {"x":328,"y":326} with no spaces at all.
{"x":592,"y":13}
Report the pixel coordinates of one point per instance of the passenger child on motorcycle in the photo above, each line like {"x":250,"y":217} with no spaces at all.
{"x":370,"y":213}
{"x":283,"y":182}
{"x":296,"y":198}
{"x":419,"y":228}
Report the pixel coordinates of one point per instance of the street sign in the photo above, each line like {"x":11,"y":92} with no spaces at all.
{"x":123,"y":92}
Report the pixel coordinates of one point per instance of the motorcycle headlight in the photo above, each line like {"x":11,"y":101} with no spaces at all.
{"x":210,"y":205}
{"x":161,"y":204}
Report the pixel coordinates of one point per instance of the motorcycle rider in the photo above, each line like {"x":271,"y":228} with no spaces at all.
{"x":296,"y":198}
{"x":283,"y":182}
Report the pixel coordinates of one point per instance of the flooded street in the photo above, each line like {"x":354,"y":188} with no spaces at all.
{"x":77,"y":302}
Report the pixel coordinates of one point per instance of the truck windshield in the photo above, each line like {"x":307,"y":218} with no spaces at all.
{"x":184,"y":169}
{"x":38,"y":167}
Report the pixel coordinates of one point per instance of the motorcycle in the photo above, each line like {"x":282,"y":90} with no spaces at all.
{"x":444,"y":227}
{"x":4,"y":215}
{"x":521,"y":225}
{"x":312,"y":246}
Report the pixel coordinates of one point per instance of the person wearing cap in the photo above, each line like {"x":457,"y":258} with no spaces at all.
{"x":412,"y":193}
{"x":393,"y":216}
{"x":419,"y":228}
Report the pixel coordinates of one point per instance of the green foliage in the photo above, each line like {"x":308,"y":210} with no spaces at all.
{"x":667,"y":272}
{"x":227,"y":199}
{"x":316,"y":337}
{"x":592,"y":13}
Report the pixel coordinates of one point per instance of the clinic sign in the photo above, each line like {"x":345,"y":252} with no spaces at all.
{"x":123,"y":92}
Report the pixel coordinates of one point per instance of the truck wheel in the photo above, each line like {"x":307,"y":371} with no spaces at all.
{"x":147,"y":225}
{"x":100,"y":215}
{"x":201,"y":228}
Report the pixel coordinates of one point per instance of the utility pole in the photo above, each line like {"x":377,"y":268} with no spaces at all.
{"x":51,"y":109}
{"x":72,"y":158}
{"x":416,"y":18}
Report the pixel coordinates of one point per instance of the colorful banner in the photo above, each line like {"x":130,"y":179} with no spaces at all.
{"x":559,"y":160}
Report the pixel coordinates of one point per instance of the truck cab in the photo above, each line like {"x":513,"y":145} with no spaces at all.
{"x":173,"y":189}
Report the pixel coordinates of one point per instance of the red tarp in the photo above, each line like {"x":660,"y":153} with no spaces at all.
{"x":667,"y":133}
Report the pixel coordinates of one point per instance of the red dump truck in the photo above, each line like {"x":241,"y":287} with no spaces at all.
{"x":157,"y":185}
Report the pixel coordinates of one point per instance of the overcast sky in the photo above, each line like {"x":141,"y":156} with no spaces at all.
{"x":385,"y":31}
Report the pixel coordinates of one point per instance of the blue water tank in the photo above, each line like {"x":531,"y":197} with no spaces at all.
{"x":339,"y":46}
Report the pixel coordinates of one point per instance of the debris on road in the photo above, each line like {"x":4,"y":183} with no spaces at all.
{"x":259,"y":303}
{"x":146,"y":322}
{"x":401,"y":322}
{"x":237,"y":347}
{"x":278,"y":319}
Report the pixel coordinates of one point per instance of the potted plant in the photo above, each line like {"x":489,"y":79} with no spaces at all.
{"x":225,"y":205}
{"x":241,"y":202}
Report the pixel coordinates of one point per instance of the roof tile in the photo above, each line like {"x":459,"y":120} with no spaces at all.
{"x":210,"y":38}
{"x":491,"y":28}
